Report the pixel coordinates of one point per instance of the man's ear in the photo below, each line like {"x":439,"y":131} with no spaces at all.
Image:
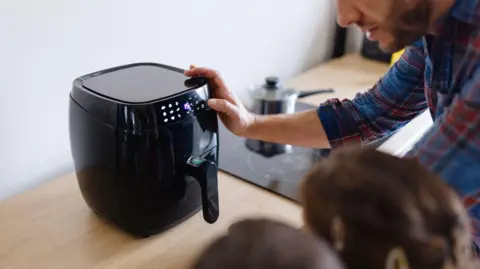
{"x":338,"y":233}
{"x":397,"y":259}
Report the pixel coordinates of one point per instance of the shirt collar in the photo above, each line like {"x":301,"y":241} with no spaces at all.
{"x":467,"y":11}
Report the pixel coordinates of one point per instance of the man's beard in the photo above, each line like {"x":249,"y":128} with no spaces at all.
{"x":408,"y":27}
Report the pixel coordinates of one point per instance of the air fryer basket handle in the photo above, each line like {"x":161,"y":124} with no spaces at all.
{"x":205,"y":172}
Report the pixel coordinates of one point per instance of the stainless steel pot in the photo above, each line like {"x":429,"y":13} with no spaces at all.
{"x":271,"y":98}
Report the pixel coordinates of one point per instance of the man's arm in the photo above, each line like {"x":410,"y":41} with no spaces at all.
{"x":301,"y":129}
{"x":395,"y":100}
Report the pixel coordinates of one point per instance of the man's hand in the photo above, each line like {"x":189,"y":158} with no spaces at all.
{"x":300,"y":129}
{"x":231,"y":111}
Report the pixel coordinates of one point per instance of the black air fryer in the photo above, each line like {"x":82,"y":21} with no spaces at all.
{"x":145,"y":146}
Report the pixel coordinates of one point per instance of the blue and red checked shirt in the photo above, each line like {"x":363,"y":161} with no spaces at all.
{"x":441,"y":73}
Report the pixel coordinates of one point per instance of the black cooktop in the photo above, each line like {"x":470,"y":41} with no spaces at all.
{"x":274,"y":167}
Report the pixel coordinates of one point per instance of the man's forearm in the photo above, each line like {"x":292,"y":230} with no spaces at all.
{"x":302,"y":129}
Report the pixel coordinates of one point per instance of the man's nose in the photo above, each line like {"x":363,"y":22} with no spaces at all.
{"x":347,"y":14}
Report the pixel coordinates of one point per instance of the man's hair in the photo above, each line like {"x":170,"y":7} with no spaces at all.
{"x":367,"y":203}
{"x":261,"y":243}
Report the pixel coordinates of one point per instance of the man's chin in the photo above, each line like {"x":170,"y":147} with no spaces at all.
{"x":399,"y":42}
{"x":389,"y":47}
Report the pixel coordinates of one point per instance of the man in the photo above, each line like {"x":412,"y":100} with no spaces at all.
{"x":439,"y":71}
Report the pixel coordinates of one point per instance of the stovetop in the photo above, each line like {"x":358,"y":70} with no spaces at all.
{"x":274,"y":167}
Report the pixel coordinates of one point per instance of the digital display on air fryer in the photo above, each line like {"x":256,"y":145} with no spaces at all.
{"x":174,"y":110}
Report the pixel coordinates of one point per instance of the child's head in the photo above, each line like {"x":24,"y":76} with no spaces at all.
{"x":373,"y":208}
{"x":263,"y":243}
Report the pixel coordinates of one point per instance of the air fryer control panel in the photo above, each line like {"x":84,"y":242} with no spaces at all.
{"x":180,"y":107}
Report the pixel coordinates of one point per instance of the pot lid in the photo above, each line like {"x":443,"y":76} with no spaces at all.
{"x":140,"y":82}
{"x":273,"y":91}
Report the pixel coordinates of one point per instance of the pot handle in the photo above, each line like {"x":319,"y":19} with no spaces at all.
{"x":302,"y":94}
{"x":205,"y":172}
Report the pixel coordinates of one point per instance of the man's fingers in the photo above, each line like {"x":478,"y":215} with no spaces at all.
{"x":220,"y":88}
{"x":201,"y":71}
{"x":210,"y":74}
{"x":223,"y":106}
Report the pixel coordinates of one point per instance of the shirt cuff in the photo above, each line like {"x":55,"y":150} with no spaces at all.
{"x":336,"y":119}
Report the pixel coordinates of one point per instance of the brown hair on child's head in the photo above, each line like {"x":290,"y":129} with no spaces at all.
{"x":369,"y":205}
{"x":261,"y":243}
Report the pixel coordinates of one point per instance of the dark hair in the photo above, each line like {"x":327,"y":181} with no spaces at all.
{"x":383,"y":202}
{"x":264,"y":243}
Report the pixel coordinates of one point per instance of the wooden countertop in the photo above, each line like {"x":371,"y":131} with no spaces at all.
{"x":347,"y":76}
{"x":51,"y":226}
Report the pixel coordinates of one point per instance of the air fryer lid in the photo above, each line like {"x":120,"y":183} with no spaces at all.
{"x":140,"y":83}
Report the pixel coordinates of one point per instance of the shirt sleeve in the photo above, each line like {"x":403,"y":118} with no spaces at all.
{"x":397,"y":98}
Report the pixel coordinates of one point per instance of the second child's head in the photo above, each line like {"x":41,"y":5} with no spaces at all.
{"x":379,"y":211}
{"x":261,"y":243}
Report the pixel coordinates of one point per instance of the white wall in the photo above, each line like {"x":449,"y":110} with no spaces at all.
{"x":46,"y":44}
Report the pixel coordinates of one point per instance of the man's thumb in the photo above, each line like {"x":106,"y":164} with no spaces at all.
{"x":223,"y":106}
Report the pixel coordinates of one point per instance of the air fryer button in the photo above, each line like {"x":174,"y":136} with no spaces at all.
{"x":195,"y":161}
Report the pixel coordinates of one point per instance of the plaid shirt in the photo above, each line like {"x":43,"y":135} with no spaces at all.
{"x":441,"y":73}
